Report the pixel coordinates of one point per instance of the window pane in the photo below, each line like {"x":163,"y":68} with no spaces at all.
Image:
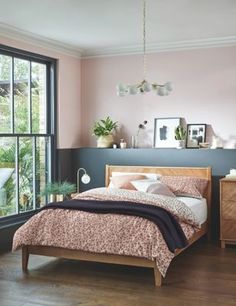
{"x":21,"y":95}
{"x":41,"y":170}
{"x":25,"y":160}
{"x":5,"y":94}
{"x":8,"y":201}
{"x":26,"y":173}
{"x":38,"y":98}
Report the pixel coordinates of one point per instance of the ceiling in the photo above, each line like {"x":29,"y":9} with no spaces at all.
{"x":95,"y":27}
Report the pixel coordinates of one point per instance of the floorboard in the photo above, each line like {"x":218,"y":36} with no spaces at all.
{"x":204,"y":275}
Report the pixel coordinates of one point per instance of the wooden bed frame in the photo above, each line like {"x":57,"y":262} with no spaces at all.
{"x":122,"y":259}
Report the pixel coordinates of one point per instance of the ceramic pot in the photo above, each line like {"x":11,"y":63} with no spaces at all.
{"x":105,"y":141}
{"x":56,"y":198}
{"x":180,"y":144}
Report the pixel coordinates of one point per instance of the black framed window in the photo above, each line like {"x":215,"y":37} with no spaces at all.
{"x":27,"y":130}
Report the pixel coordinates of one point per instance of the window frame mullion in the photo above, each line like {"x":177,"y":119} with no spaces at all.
{"x":34,"y":147}
{"x":12,"y":87}
{"x":17,"y":175}
{"x":30,"y":97}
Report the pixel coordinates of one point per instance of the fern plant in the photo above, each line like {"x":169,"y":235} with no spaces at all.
{"x":63,"y":188}
{"x":104,"y":127}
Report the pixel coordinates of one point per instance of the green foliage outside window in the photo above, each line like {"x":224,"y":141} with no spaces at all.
{"x":7,"y":144}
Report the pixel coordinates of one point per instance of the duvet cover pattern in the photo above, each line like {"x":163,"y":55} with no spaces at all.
{"x":107,"y":233}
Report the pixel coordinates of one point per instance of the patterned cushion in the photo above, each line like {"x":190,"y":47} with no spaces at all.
{"x":124,"y":181}
{"x":188,"y":186}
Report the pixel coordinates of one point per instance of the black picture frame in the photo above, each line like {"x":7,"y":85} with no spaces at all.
{"x":196,"y":133}
{"x":164,"y":132}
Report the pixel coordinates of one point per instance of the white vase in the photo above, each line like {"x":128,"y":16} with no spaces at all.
{"x":105,"y":141}
{"x":180,"y":144}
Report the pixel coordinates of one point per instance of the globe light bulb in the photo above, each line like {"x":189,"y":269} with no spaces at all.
{"x":161,"y":91}
{"x":168,"y":86}
{"x":146,"y":86}
{"x":133,"y":90}
{"x":85,"y":179}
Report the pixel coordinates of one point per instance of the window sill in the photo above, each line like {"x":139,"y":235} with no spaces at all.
{"x":10,"y":221}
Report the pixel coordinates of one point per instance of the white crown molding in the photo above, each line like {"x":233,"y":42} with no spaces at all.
{"x":63,"y":48}
{"x":162,"y":47}
{"x":38,"y":40}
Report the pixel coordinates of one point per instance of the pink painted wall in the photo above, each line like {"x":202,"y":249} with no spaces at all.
{"x":69,"y":92}
{"x":204,"y":91}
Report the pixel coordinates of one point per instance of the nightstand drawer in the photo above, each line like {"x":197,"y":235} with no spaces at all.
{"x":228,"y":191}
{"x":228,"y":230}
{"x":228,"y":210}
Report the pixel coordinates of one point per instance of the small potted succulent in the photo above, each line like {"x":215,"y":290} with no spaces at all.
{"x":103,"y":129}
{"x":58,"y":191}
{"x":180,"y":136}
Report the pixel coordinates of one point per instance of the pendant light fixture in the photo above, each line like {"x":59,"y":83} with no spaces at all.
{"x":144,"y":86}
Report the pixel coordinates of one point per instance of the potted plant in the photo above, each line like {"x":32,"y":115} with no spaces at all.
{"x":180,"y":136}
{"x":103,"y":130}
{"x":58,"y":191}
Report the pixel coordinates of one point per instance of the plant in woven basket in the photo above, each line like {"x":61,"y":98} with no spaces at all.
{"x":103,"y":130}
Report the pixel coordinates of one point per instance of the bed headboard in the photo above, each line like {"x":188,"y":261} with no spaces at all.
{"x":204,"y":173}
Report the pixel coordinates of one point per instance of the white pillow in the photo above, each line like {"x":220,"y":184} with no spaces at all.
{"x":142,"y":185}
{"x":5,"y":174}
{"x":154,"y":176}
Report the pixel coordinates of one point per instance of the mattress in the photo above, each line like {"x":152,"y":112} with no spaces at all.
{"x":198,"y":207}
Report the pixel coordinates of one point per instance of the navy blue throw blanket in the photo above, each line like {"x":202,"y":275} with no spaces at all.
{"x":166,"y":222}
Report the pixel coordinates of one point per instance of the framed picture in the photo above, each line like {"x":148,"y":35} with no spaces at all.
{"x":164,"y":132}
{"x":196,"y":133}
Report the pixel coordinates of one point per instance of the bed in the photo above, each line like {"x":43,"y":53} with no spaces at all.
{"x":204,"y":173}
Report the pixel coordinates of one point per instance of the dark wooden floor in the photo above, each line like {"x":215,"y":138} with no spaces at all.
{"x":203,"y":275}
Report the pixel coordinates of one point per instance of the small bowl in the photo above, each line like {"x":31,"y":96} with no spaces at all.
{"x":204,"y":145}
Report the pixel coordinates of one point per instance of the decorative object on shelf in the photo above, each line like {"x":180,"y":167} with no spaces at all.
{"x":217,"y":142}
{"x":122,"y":144}
{"x":144,"y":86}
{"x":58,"y":191}
{"x":204,"y":145}
{"x":231,"y":175}
{"x":85,"y":178}
{"x":135,"y":141}
{"x":196,"y":134}
{"x":103,"y":130}
{"x":180,"y":136}
{"x":164,"y":132}
{"x":114,"y":146}
{"x":230,"y":143}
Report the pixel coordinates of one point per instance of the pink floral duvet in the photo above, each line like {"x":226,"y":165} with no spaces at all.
{"x":107,"y":233}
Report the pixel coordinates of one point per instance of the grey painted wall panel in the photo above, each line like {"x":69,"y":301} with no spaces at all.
{"x":94,"y":161}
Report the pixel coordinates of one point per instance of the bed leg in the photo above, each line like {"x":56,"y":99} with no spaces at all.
{"x":25,"y":258}
{"x":157,"y":276}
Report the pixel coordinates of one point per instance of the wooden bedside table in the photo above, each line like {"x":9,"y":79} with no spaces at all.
{"x":227,"y":211}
